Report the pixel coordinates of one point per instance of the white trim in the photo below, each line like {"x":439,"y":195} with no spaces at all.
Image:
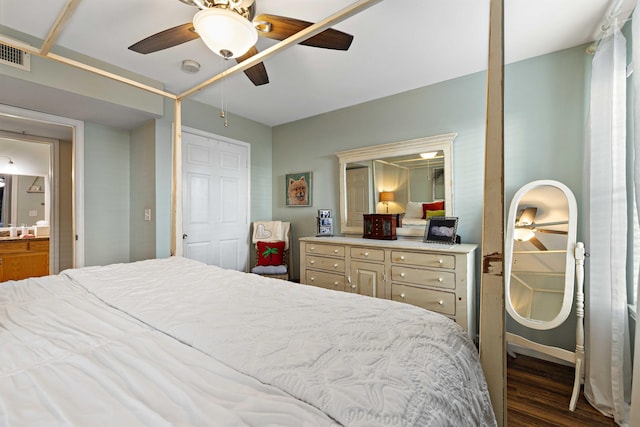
{"x":77,"y":144}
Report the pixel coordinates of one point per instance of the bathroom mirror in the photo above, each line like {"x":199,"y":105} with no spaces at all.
{"x":540,"y":240}
{"x":22,"y":199}
{"x":395,"y":178}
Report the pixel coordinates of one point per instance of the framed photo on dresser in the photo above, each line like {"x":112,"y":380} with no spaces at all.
{"x":441,"y":229}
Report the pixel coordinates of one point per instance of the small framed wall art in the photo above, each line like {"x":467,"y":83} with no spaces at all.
{"x":298,"y":189}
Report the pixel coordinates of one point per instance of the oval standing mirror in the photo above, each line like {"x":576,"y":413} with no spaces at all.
{"x":539,"y":254}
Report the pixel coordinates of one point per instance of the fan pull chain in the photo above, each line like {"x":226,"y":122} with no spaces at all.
{"x":223,"y":114}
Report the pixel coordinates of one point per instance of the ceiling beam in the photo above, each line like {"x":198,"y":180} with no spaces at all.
{"x":300,"y":36}
{"x":65,"y":14}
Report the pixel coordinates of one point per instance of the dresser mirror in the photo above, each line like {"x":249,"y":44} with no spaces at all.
{"x":397,"y":178}
{"x":539,"y":258}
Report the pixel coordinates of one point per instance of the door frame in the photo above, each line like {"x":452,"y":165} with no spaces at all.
{"x":77,"y":153}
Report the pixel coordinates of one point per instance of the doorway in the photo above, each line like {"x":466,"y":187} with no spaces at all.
{"x":215,"y":200}
{"x":65,"y":176}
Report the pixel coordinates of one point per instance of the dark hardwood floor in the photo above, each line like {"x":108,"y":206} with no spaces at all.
{"x":538,"y":394}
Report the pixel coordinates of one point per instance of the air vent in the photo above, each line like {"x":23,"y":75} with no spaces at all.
{"x":15,"y":57}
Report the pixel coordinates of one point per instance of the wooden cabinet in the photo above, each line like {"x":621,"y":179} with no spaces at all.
{"x":380,"y":226}
{"x":22,"y":258}
{"x":409,"y":271}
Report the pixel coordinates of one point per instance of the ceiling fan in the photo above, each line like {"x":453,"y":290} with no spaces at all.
{"x":230,"y":29}
{"x":526,"y":227}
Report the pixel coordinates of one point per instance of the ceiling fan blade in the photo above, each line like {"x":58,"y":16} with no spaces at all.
{"x":527,"y":215}
{"x":258,"y":73}
{"x":542,"y":230}
{"x":283,"y":27}
{"x":166,"y":39}
{"x":537,"y":243}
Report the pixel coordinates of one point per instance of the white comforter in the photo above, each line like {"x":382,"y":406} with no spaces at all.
{"x":67,"y":359}
{"x":362,"y":361}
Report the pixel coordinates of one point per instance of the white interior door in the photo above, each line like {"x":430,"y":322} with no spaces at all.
{"x":357,"y":196}
{"x":215,"y":177}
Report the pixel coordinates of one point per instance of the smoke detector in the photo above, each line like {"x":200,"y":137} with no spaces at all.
{"x":190,"y":66}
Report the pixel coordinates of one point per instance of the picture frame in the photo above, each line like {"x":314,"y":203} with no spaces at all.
{"x":324,"y":213}
{"x":298,"y":189}
{"x":441,"y":229}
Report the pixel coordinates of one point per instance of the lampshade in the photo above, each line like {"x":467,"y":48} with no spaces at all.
{"x":386,"y":196}
{"x":225,"y":32}
{"x":523,"y":234}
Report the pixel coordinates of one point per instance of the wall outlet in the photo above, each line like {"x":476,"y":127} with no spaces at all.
{"x":33,"y":213}
{"x":147,"y":214}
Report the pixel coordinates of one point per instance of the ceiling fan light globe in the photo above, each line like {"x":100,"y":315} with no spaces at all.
{"x":523,"y":234}
{"x":225,"y":32}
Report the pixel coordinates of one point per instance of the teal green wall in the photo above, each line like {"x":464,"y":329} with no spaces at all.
{"x":107,"y":189}
{"x":544,"y":122}
{"x":142,"y":236}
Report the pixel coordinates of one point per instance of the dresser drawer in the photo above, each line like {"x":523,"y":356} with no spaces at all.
{"x":439,"y":301}
{"x":437,"y":278}
{"x":424,"y":259}
{"x":369,"y":254}
{"x":325,"y":280}
{"x":330,"y":264}
{"x":322,"y":249}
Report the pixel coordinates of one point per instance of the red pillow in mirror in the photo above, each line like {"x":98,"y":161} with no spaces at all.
{"x":270,"y":253}
{"x":433,"y":206}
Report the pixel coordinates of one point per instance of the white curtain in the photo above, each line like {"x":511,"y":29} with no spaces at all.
{"x":635,"y":34}
{"x":608,"y":373}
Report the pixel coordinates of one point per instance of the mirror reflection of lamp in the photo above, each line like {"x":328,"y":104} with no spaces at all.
{"x":386,"y":197}
{"x":523,"y":234}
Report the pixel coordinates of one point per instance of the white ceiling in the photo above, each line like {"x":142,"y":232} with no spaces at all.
{"x":398,"y":46}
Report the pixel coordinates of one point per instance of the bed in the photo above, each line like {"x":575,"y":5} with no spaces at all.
{"x":177,"y":342}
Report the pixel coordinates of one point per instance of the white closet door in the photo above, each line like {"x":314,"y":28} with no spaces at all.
{"x":215,"y":201}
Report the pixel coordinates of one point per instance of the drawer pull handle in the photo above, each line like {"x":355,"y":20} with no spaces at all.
{"x":353,"y":287}
{"x":440,"y":279}
{"x":366,"y":254}
{"x":401,"y":274}
{"x":311,"y":248}
{"x":441,"y":302}
{"x":440,"y":261}
{"x":335,"y":265}
{"x":335,"y":284}
{"x":313,"y":278}
{"x":402,"y":295}
{"x":335,"y":251}
{"x":402,"y":258}
{"x":312,"y":262}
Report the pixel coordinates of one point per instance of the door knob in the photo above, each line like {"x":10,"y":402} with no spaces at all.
{"x":184,"y":236}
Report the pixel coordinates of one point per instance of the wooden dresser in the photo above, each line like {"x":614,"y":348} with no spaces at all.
{"x":440,"y":279}
{"x":22,"y":258}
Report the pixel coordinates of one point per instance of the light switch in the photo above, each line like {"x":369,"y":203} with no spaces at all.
{"x":33,"y":213}
{"x":147,"y":214}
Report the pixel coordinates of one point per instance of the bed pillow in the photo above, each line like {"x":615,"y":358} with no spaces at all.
{"x":433,"y":206}
{"x":430,"y":214}
{"x":270,"y":253}
{"x":413,"y":210}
